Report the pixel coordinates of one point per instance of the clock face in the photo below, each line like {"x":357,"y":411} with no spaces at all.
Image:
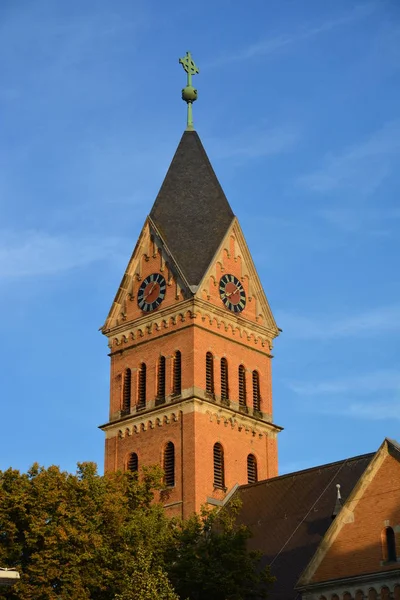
{"x":151,"y":292}
{"x":232,"y":293}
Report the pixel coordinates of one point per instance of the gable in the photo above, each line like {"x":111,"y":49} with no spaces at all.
{"x":289,"y":515}
{"x":355,"y":544}
{"x":233,"y":257}
{"x":149,"y":256}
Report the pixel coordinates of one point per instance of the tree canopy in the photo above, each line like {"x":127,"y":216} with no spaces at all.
{"x":89,"y":537}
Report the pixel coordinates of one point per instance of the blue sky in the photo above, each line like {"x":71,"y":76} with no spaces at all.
{"x":299,"y":111}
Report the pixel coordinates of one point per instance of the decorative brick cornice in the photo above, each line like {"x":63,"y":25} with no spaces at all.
{"x":170,"y":413}
{"x":213,"y":318}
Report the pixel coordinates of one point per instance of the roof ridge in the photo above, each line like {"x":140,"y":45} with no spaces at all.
{"x":293,"y":473}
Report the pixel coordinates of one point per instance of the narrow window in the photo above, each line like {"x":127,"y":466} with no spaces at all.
{"x":209,"y":373}
{"x":224,"y":379}
{"x":126,"y":400}
{"x":219,"y":475}
{"x":242,"y":386}
{"x":372,"y":595}
{"x":142,"y":386}
{"x":251,"y":469}
{"x":256,"y":390}
{"x":390,"y":544}
{"x":177,"y":387}
{"x":169,"y":464}
{"x":133,"y":462}
{"x":161,"y":378}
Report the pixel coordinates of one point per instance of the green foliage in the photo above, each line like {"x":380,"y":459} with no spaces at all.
{"x":212,"y":561}
{"x":91,"y":537}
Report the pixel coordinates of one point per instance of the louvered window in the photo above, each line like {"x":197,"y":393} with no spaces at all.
{"x":251,"y":469}
{"x":126,"y":400}
{"x":142,"y":386}
{"x":177,"y":387}
{"x":390,"y":544}
{"x":242,"y":386}
{"x":209,"y":373}
{"x":224,"y":379}
{"x":256,"y":390}
{"x":161,"y":378}
{"x":219,"y":474}
{"x":133,"y":462}
{"x":169,"y":464}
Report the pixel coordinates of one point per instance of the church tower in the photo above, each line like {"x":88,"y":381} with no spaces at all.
{"x":190,"y":334}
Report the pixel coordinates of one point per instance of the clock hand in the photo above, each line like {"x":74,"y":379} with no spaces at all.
{"x":151,"y":289}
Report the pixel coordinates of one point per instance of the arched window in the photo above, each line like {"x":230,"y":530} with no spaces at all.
{"x":224,"y":379}
{"x":242,"y":386}
{"x":359,"y":595}
{"x":256,"y":390}
{"x":385,"y":593}
{"x":126,"y":399}
{"x":142,"y":386}
{"x":209,"y":373}
{"x":177,"y":384}
{"x":390,"y":544}
{"x":372,"y":595}
{"x":252,"y":476}
{"x":219,"y":471}
{"x":133,"y":462}
{"x":169,"y":464}
{"x":161,"y":378}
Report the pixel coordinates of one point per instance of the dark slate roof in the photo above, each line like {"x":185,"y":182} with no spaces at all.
{"x":289,"y":515}
{"x":191,"y":211}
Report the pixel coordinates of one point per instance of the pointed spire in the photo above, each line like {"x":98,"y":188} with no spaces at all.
{"x":338,"y":503}
{"x":191,"y":212}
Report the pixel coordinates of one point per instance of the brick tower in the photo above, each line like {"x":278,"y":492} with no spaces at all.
{"x":190,"y":335}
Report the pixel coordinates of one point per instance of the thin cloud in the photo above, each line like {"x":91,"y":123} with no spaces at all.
{"x":272,"y":45}
{"x":369,"y":383}
{"x":253,"y":144}
{"x":379,"y":410}
{"x":367,"y":221}
{"x":369,"y":323}
{"x":37,"y":253}
{"x":351,"y":396}
{"x":362,"y":167}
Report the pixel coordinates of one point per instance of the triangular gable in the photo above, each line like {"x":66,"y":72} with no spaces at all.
{"x":151,"y":254}
{"x":233,"y":256}
{"x":346,"y":515}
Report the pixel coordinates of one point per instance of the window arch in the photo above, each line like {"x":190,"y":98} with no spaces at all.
{"x":359,"y":595}
{"x":161,"y":378}
{"x":142,"y":386}
{"x":390,"y":543}
{"x":242,"y":386}
{"x":252,"y":475}
{"x":219,"y":469}
{"x":224,"y":379}
{"x":385,"y":593}
{"x":209,"y":373}
{"x":177,"y":380}
{"x":133,"y":462}
{"x":169,"y":464}
{"x":372,"y":595}
{"x":256,"y":390}
{"x":126,"y":396}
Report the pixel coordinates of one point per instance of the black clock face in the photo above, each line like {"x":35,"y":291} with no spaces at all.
{"x":151,"y":292}
{"x":232,"y":293}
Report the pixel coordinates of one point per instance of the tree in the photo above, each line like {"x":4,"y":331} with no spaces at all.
{"x":212,"y":561}
{"x":75,"y":536}
{"x":91,"y":537}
